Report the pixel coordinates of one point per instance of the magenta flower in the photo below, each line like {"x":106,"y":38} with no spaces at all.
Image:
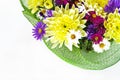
{"x":64,"y":2}
{"x":101,"y":30}
{"x":96,"y":38}
{"x":91,"y":30}
{"x":39,"y":30}
{"x":95,"y":27}
{"x":61,"y":2}
{"x":94,"y":19}
{"x":74,"y":2}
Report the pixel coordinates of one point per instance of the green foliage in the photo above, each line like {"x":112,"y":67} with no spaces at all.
{"x":27,"y":13}
{"x":88,"y":59}
{"x":85,"y":44}
{"x":32,"y":19}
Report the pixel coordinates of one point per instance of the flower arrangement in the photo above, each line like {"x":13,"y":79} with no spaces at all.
{"x":82,"y":32}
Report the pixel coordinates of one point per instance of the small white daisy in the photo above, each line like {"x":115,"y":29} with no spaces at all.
{"x":38,"y":15}
{"x":73,"y":37}
{"x":81,"y":8}
{"x":102,"y":46}
{"x":43,"y":12}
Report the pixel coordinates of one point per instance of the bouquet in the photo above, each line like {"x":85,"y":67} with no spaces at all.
{"x":85,"y":33}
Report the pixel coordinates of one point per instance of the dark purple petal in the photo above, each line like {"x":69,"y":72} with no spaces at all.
{"x":112,"y":5}
{"x":49,"y":13}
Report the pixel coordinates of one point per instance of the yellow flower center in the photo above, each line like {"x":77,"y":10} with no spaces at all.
{"x":96,"y":38}
{"x":102,"y":45}
{"x":40,"y":31}
{"x":76,"y":2}
{"x":73,"y":36}
{"x":43,"y":11}
{"x":47,"y":4}
{"x":94,"y":15}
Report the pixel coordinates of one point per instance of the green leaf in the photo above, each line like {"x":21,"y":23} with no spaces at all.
{"x":80,"y":58}
{"x":88,"y":60}
{"x":24,"y":4}
{"x":30,"y":17}
{"x":27,"y":13}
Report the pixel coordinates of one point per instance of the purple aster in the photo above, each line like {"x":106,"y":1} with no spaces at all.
{"x":112,"y":5}
{"x":93,"y":29}
{"x":49,"y":13}
{"x":39,"y":30}
{"x":90,"y":31}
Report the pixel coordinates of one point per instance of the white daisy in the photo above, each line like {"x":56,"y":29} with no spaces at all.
{"x":73,"y":37}
{"x":43,"y":11}
{"x":81,"y":8}
{"x":102,"y":46}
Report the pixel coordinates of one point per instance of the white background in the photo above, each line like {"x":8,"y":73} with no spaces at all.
{"x":24,"y":58}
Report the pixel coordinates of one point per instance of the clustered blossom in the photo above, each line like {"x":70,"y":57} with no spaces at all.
{"x":95,"y":29}
{"x":36,"y":4}
{"x":67,"y":22}
{"x":94,"y":18}
{"x":113,"y":26}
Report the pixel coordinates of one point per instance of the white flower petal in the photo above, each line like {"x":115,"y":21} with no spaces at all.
{"x":97,"y":47}
{"x":74,"y":41}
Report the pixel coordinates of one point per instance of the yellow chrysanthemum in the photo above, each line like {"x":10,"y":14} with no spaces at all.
{"x":36,"y":4}
{"x":48,"y":4}
{"x":96,"y":5}
{"x":62,"y":21}
{"x":101,"y":3}
{"x":112,"y":26}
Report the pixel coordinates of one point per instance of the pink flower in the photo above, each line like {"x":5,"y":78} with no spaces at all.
{"x":94,"y":19}
{"x":64,"y":2}
{"x":96,"y":38}
{"x":61,"y":2}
